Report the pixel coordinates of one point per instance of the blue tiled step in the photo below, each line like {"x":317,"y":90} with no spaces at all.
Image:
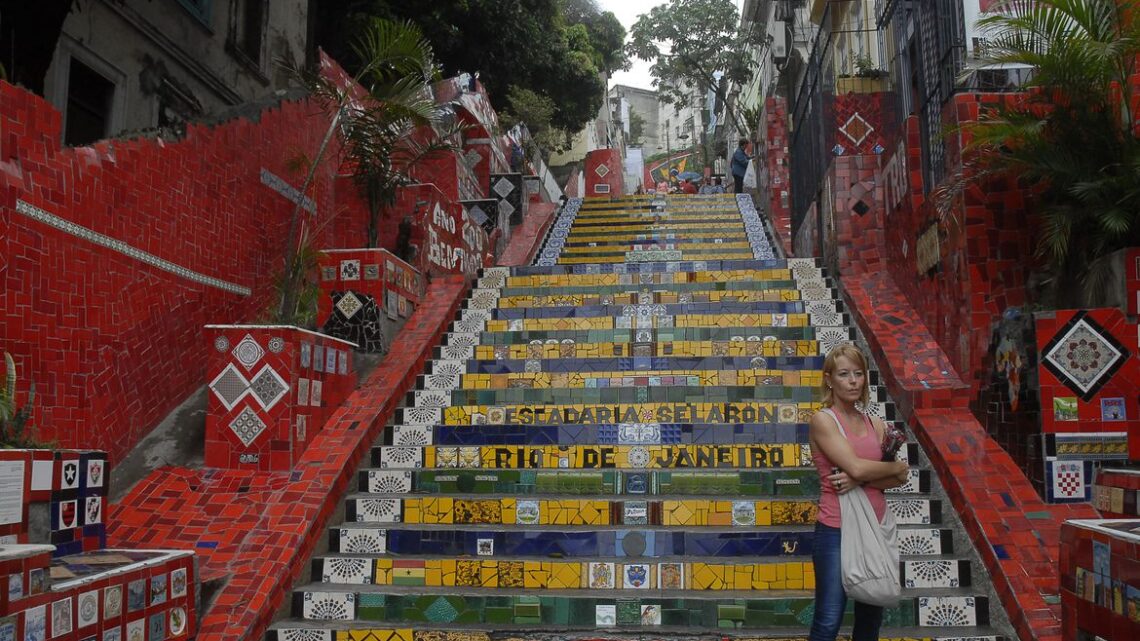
{"x":455,"y":540}
{"x":655,"y":335}
{"x":665,"y":238}
{"x":612,"y":434}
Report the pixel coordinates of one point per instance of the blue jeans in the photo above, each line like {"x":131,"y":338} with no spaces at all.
{"x":830,"y":599}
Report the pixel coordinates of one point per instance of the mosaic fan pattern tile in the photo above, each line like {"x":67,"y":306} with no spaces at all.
{"x":616,"y":437}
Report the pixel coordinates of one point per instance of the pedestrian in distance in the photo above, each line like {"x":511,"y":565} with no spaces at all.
{"x":740,"y":160}
{"x":843,"y":464}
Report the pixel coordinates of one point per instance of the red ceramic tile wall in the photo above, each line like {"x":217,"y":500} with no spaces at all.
{"x":611,"y":177}
{"x":1100,"y":583}
{"x":170,"y":592}
{"x":392,"y":274}
{"x":779,"y":186}
{"x":526,"y":238}
{"x":316,"y":372}
{"x":258,"y":529}
{"x":1116,"y":493}
{"x":113,"y":344}
{"x":1113,"y":406}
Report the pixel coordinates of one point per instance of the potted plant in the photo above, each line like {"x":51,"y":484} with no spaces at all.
{"x":867,"y":77}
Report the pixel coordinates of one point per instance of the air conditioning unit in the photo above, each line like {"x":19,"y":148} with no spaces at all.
{"x":779,"y":36}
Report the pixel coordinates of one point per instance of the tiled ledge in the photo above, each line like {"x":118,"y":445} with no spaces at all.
{"x":258,"y":530}
{"x":526,"y":238}
{"x":1014,"y":531}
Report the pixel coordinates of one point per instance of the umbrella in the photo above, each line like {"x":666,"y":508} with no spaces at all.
{"x":689,"y":175}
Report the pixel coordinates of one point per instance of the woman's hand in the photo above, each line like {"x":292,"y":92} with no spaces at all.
{"x":842,"y":482}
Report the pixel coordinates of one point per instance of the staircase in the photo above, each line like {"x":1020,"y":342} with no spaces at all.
{"x":614,"y":442}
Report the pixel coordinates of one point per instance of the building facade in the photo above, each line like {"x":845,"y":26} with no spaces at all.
{"x":135,"y":65}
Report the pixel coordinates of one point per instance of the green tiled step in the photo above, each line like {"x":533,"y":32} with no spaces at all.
{"x":735,"y":573}
{"x":689,"y":512}
{"x":580,"y":609}
{"x":792,"y":483}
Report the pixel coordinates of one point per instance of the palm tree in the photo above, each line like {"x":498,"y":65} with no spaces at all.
{"x":384,"y":133}
{"x":1071,"y":134}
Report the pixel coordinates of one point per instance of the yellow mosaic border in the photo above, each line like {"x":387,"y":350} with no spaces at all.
{"x":704,"y":378}
{"x":600,"y":457}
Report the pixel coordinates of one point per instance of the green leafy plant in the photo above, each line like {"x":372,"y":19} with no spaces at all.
{"x":1070,"y":136}
{"x":14,"y":419}
{"x":384,"y":135}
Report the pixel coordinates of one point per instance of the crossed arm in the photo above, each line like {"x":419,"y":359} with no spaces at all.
{"x":824,"y":434}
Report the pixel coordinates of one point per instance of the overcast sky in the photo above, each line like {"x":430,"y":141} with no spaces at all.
{"x":627,"y":12}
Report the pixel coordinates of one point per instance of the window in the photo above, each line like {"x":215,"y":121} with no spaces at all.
{"x":248,"y":28}
{"x":90,"y":99}
{"x":200,"y":9}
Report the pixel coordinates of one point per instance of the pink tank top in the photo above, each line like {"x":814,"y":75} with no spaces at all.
{"x":866,"y":447}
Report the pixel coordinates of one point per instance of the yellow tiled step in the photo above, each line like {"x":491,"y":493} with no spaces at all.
{"x":681,"y":320}
{"x":708,"y":378}
{"x":595,"y":575}
{"x":624,"y":245}
{"x":663,"y":298}
{"x":600,"y":512}
{"x":710,"y":276}
{"x":769,"y":349}
{"x":743,"y":412}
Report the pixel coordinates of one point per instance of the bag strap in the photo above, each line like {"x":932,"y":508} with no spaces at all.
{"x":838,"y":423}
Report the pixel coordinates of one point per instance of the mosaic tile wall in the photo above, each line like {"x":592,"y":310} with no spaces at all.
{"x":199,"y":257}
{"x":778,"y":169}
{"x":359,"y":289}
{"x":1100,"y":579}
{"x":1088,"y":373}
{"x":604,"y":173}
{"x":1116,"y":493}
{"x":271,"y":391}
{"x":64,"y":583}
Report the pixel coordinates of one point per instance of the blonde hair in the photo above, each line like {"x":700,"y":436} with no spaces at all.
{"x":855,"y":355}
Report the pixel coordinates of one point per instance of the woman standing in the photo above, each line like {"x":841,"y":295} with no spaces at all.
{"x":844,"y":463}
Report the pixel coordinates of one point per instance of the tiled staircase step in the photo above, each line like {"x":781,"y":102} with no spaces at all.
{"x":507,"y":436}
{"x":334,"y":631}
{"x":683,"y":390}
{"x":749,"y":320}
{"x":687,"y":512}
{"x":555,"y":298}
{"x":704,"y":246}
{"x":592,"y":456}
{"x":737,"y":574}
{"x":587,"y":275}
{"x":659,"y":236}
{"x":822,"y":313}
{"x":636,"y":542}
{"x":776,"y":378}
{"x":767,"y":350}
{"x":659,"y":289}
{"x":513,"y":607}
{"x":777,"y":335}
{"x":696,"y":412}
{"x":736,"y":484}
{"x":800,"y":268}
{"x":651,"y":256}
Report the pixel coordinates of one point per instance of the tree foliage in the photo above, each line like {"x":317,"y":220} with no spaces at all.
{"x":688,"y":41}
{"x":554,"y":48}
{"x":1071,"y":133}
{"x":537,"y":112}
{"x":636,"y":128}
